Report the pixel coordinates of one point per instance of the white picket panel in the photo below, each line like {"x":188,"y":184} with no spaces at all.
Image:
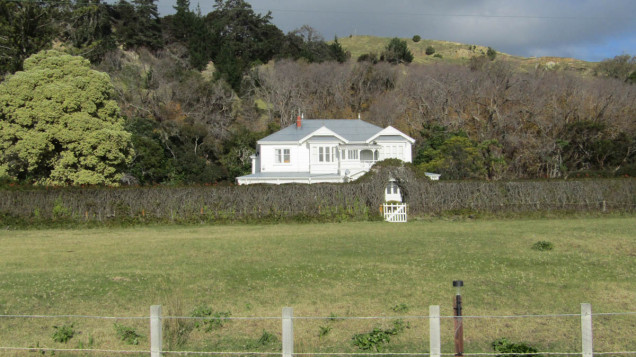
{"x":395,"y":213}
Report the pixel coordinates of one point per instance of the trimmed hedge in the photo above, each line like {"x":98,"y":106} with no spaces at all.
{"x":359,"y":200}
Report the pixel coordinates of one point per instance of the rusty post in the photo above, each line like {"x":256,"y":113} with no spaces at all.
{"x":458,"y":323}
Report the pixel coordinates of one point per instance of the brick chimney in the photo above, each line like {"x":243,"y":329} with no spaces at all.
{"x":299,"y":122}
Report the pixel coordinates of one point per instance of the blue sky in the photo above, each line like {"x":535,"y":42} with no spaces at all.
{"x":584,"y":29}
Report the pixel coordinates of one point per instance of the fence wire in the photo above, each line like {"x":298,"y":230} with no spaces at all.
{"x":404,"y":317}
{"x":265,"y":353}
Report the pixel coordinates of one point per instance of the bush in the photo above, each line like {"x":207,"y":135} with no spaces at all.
{"x":215,"y":319}
{"x":503,"y":345}
{"x":437,"y":55}
{"x":377,"y":338}
{"x":542,"y":245}
{"x":368,"y":57}
{"x":267,"y":338}
{"x":491,"y":53}
{"x":127,"y":334}
{"x":63,"y":333}
{"x":430,"y":50}
{"x":416,"y":38}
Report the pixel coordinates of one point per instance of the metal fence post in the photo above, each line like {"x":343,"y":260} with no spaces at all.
{"x":586,"y":330}
{"x":288,"y":332}
{"x":434,"y":331}
{"x":155,"y":331}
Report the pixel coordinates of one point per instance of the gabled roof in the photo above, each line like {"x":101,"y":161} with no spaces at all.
{"x":389,"y":133}
{"x":348,"y":130}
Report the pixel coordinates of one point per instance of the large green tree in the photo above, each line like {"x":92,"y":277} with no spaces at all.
{"x":397,"y":51}
{"x":25,"y":28}
{"x":241,"y":38}
{"x":59,"y":125}
{"x":87,"y":27}
{"x":137,"y":24}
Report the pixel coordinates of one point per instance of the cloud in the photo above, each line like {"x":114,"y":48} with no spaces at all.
{"x":585,"y":29}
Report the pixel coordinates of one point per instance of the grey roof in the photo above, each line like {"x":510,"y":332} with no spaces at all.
{"x":351,"y":129}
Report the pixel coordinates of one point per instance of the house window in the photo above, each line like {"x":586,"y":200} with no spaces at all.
{"x":282,"y":156}
{"x":392,"y":188}
{"x":393,"y":152}
{"x":326,"y":154}
{"x":352,"y":154}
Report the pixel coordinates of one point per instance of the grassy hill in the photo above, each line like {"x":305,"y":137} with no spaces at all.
{"x":459,"y":53}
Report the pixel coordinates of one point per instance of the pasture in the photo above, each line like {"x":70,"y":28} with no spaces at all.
{"x":323,"y":270}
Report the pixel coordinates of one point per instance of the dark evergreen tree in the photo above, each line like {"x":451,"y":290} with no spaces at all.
{"x":491,"y":53}
{"x":240,"y":38}
{"x":88,"y":28}
{"x":337,"y":52}
{"x":397,"y":51}
{"x":138,"y":24}
{"x":25,"y":28}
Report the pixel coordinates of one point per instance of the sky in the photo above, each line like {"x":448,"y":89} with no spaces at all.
{"x":583,"y":29}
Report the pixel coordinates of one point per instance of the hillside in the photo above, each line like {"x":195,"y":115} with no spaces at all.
{"x":454,"y":52}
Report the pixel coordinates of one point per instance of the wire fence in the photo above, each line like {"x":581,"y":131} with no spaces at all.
{"x":285,"y":345}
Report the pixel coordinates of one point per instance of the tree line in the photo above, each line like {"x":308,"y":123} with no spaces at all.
{"x":196,"y":91}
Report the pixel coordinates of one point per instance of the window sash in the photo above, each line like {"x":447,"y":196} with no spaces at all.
{"x":283,"y":156}
{"x":326,"y":154}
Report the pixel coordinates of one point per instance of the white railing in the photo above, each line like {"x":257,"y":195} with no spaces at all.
{"x":396,"y":213}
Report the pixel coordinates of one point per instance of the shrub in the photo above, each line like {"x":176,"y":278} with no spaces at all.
{"x":491,"y":53}
{"x":267,"y":338}
{"x":416,"y":38}
{"x":503,"y":345}
{"x":430,"y":50}
{"x":400,"y":308}
{"x":368,"y":57}
{"x":63,"y":333}
{"x":215,"y":319}
{"x":324,"y":330}
{"x":377,"y":338}
{"x":437,"y":55}
{"x":542,"y":245}
{"x":127,"y":334}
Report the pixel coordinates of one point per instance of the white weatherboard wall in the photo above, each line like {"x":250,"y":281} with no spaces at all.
{"x":298,"y":157}
{"x":395,"y":150}
{"x":317,"y":167}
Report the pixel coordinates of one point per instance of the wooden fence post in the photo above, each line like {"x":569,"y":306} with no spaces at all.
{"x":155,"y":331}
{"x":586,"y":330}
{"x":434,"y":331}
{"x":288,"y":332}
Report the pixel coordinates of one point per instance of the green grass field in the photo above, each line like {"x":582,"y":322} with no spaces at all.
{"x":349,"y":269}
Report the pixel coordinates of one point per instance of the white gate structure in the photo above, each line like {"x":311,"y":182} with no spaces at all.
{"x":395,"y":213}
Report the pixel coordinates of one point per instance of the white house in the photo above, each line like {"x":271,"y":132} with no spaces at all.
{"x":325,"y":150}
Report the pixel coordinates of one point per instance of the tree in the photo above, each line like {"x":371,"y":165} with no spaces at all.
{"x":137,"y":24}
{"x":59,"y":125}
{"x":240,"y":38}
{"x":88,"y":29}
{"x":417,"y":38}
{"x":397,"y":51}
{"x":621,"y":67}
{"x":25,"y":28}
{"x":491,"y":53}
{"x":430,"y":50}
{"x":337,"y":52}
{"x":457,"y":158}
